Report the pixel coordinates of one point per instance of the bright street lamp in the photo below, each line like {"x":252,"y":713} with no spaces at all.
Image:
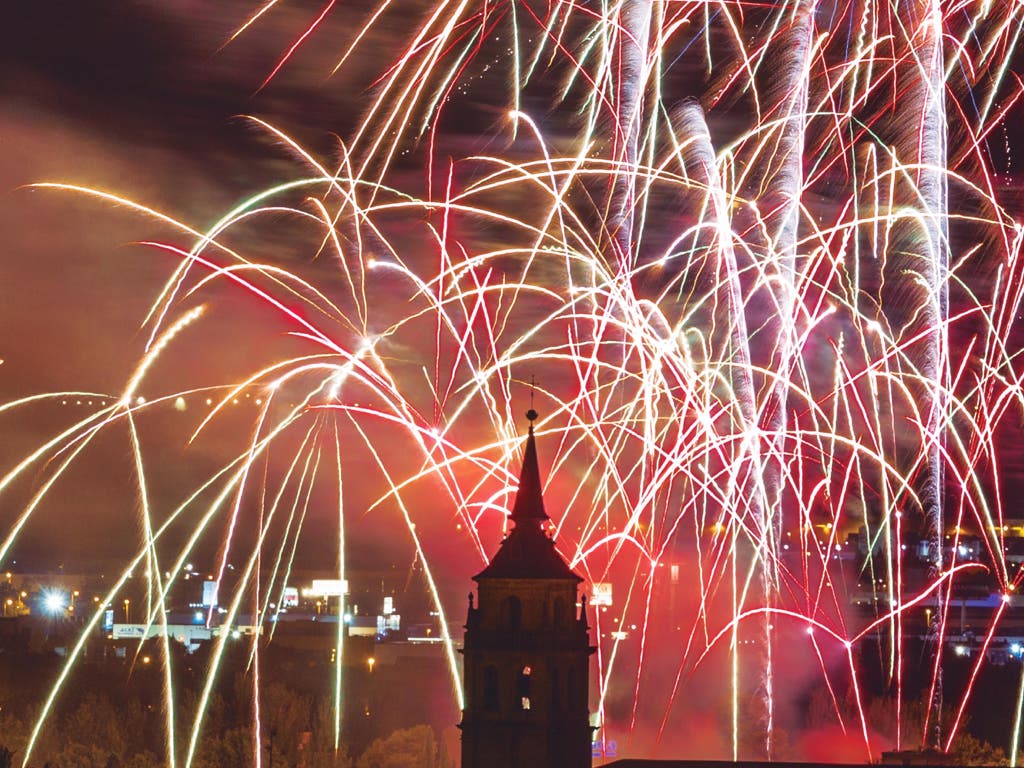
{"x":53,"y":602}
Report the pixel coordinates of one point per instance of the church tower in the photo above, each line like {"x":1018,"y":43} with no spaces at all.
{"x":526,"y":651}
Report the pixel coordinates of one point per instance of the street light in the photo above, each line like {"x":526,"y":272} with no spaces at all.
{"x":53,"y":602}
{"x":127,"y":611}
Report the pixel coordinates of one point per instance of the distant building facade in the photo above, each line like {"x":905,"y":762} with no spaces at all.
{"x":526,"y":650}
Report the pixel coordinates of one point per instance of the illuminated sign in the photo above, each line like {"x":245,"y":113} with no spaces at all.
{"x":209,"y":593}
{"x":389,"y":605}
{"x":601,"y":594}
{"x":328,"y":588}
{"x":189,"y":634}
{"x":290,"y":599}
{"x":122,"y":631}
{"x":237,"y":631}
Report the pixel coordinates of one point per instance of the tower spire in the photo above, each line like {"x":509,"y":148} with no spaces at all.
{"x":529,"y":503}
{"x":526,"y":651}
{"x":528,"y":552}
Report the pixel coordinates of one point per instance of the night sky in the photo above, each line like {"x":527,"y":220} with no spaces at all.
{"x":138,"y":99}
{"x":147,"y":99}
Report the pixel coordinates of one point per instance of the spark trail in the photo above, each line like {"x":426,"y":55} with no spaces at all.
{"x":752,"y":409}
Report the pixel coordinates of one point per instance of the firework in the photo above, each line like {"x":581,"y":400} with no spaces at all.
{"x":738,"y":308}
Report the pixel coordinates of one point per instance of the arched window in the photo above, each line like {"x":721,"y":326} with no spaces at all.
{"x":559,"y":612}
{"x":511,"y":614}
{"x":523,"y":687}
{"x":491,"y":700}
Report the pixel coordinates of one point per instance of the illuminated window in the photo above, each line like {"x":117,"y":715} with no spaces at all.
{"x":523,"y":688}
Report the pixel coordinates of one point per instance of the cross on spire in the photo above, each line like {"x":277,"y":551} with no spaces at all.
{"x":532,"y":414}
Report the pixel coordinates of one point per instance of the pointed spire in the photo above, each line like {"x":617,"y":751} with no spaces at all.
{"x":528,"y":552}
{"x":529,"y":503}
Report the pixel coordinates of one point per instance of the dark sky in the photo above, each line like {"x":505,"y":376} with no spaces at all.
{"x":130,"y":98}
{"x":147,"y":100}
{"x":133,"y":98}
{"x":144,"y":99}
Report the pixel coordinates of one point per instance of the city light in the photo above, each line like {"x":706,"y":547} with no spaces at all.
{"x":54,"y":602}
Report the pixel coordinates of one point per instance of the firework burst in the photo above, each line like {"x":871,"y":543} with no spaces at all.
{"x":739,"y":308}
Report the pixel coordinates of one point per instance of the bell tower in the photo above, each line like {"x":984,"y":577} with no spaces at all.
{"x":526,"y":650}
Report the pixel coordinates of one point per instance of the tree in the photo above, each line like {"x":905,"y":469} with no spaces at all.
{"x":144,"y":759}
{"x":414,"y":747}
{"x":317,"y":744}
{"x":965,"y":749}
{"x":81,"y":756}
{"x":95,"y":723}
{"x":285,"y":715}
{"x":15,"y":735}
{"x":232,"y":748}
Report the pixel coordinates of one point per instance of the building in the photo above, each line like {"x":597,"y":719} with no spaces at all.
{"x":526,"y":650}
{"x":895,"y":758}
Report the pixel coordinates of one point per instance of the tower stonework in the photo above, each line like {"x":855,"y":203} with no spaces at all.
{"x":526,"y":649}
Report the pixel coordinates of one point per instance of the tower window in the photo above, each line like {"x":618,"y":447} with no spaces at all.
{"x":491,"y":688}
{"x":511,"y":613}
{"x":523,"y":687}
{"x":559,"y":611}
{"x":556,"y":692}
